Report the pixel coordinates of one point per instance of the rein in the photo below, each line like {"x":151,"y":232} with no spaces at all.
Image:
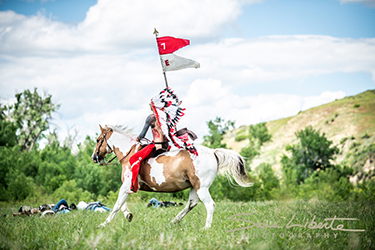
{"x":109,"y":163}
{"x":114,"y":163}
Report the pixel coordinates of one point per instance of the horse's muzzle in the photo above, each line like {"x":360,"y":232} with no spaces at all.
{"x":96,"y":158}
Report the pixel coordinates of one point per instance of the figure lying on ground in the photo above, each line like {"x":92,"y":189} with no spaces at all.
{"x":154,"y":202}
{"x":93,"y":206}
{"x":61,"y":207}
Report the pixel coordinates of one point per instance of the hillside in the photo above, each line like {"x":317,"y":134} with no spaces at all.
{"x":348,"y":122}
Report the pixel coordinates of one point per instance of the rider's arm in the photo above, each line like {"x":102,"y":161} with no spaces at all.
{"x":150,"y":121}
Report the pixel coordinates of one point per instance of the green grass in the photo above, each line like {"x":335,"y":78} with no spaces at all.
{"x":151,"y":228}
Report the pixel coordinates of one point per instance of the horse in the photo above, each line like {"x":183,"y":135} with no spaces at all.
{"x":170,"y":171}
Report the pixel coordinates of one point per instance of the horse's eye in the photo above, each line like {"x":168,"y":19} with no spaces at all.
{"x":97,"y":140}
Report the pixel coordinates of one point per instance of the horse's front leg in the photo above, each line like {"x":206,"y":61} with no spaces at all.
{"x":128,"y":215}
{"x":121,"y":200}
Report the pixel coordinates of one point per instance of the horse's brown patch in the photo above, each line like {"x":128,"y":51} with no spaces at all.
{"x":178,"y":172}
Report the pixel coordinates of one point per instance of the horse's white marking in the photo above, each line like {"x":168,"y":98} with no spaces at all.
{"x":156,"y":171}
{"x":127,"y":174}
{"x":123,"y":139}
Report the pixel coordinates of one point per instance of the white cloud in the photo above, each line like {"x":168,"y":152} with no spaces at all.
{"x":105,"y":69}
{"x":324,"y":97}
{"x":285,"y":57}
{"x":117,"y":26}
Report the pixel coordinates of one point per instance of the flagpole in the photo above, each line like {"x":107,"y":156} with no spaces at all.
{"x":156,"y":33}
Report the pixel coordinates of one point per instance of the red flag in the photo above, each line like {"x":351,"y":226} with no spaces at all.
{"x":168,"y":44}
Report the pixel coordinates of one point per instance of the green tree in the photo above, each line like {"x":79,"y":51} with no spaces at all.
{"x":269,"y":181}
{"x":314,"y":151}
{"x":58,"y":165}
{"x":259,"y":133}
{"x":7,"y":131}
{"x":97,"y":179}
{"x":249,"y":153}
{"x":31,"y":113}
{"x":217,"y":129}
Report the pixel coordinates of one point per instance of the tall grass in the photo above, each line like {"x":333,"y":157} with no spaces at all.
{"x":151,"y":228}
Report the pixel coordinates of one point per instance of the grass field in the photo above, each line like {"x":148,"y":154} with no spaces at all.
{"x":151,"y":228}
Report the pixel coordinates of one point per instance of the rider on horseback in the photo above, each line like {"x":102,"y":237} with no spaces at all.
{"x":166,"y":114}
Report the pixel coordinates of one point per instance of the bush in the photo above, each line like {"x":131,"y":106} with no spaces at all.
{"x":343,"y":140}
{"x":19,"y":186}
{"x":240,"y":137}
{"x":365,"y":136}
{"x":313,"y":152}
{"x":70,"y":192}
{"x":268,"y":180}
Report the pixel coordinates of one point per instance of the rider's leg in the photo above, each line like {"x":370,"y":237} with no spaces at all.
{"x":135,"y":162}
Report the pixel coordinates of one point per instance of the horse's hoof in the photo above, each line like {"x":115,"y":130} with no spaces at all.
{"x":129,"y":217}
{"x":101,"y":225}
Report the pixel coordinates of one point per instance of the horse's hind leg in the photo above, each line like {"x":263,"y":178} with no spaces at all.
{"x":193,"y":201}
{"x":205,"y":197}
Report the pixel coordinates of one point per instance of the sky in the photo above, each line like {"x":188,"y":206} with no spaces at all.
{"x":261,"y":60}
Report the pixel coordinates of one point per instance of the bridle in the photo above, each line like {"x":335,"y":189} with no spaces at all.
{"x":111,"y":151}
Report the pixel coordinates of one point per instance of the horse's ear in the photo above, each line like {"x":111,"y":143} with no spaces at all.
{"x":101,"y":129}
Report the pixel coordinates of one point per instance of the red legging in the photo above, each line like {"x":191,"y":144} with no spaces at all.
{"x":135,"y":162}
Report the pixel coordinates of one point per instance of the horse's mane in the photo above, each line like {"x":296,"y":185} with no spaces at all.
{"x":122,"y":129}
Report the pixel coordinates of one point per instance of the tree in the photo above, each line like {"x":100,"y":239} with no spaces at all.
{"x":31,"y":113}
{"x":269,"y":181}
{"x":314,"y":151}
{"x":7,"y":131}
{"x":260,"y":133}
{"x":249,"y":152}
{"x":217,"y":128}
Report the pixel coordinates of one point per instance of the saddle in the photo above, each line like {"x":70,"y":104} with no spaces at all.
{"x":183,"y":134}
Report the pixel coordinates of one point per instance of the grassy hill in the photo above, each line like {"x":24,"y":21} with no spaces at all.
{"x":348,"y":122}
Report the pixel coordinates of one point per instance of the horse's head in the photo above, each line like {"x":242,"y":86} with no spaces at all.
{"x":102,"y":148}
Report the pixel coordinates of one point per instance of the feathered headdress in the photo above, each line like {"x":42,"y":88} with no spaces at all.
{"x":168,"y":113}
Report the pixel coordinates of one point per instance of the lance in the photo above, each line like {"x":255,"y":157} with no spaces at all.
{"x":156,"y":33}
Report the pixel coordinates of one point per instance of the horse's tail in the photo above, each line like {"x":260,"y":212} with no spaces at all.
{"x":230,"y":163}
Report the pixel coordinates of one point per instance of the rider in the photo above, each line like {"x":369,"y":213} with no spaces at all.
{"x":159,"y":139}
{"x":166,"y":114}
{"x":159,"y":142}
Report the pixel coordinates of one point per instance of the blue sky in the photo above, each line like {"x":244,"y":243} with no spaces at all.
{"x":70,"y":11}
{"x":318,"y":17}
{"x":287,"y":55}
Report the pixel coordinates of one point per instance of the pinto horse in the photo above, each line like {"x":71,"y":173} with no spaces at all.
{"x":169,"y":172}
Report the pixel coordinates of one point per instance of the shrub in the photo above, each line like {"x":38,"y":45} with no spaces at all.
{"x":365,"y":136}
{"x":70,"y":192}
{"x":240,"y":137}
{"x":19,"y":186}
{"x":343,"y":140}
